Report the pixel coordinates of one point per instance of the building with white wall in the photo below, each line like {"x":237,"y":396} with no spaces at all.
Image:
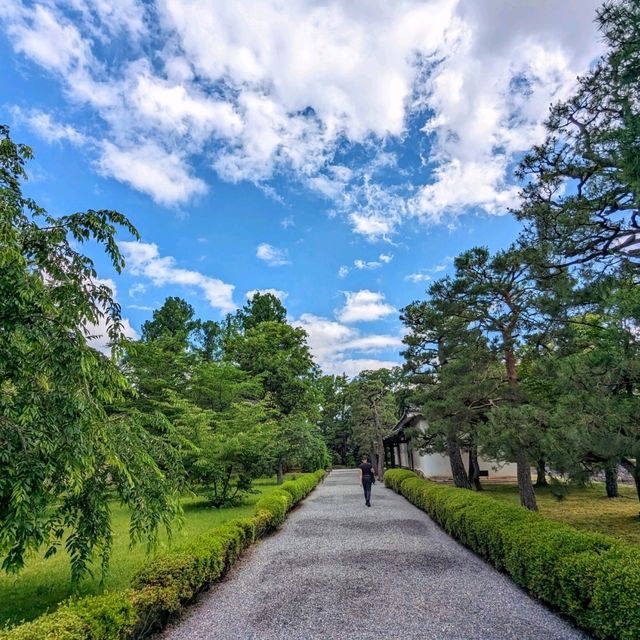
{"x":400,"y":452}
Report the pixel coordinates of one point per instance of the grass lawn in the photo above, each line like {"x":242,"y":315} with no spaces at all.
{"x":44,"y":583}
{"x":585,"y":508}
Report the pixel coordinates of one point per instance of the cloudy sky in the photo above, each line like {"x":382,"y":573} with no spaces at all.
{"x":337,"y":153}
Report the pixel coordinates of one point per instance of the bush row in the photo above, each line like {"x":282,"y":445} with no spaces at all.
{"x":167,"y":582}
{"x":594,"y":579}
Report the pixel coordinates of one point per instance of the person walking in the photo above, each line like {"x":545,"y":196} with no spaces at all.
{"x":367,"y":479}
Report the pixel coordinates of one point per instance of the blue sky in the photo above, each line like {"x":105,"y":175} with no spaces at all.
{"x":339,"y":154}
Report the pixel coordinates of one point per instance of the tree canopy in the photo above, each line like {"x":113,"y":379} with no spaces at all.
{"x":65,"y":443}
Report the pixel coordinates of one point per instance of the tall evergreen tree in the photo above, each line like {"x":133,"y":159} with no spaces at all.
{"x":582,"y":198}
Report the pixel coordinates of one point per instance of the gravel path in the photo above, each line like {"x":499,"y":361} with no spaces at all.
{"x":339,"y":570}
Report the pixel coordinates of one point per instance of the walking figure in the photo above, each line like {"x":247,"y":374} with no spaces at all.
{"x":366,"y":479}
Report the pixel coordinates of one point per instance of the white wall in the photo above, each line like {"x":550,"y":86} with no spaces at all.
{"x":509,"y":470}
{"x":436,"y":465}
{"x":433,"y":465}
{"x":404,"y":455}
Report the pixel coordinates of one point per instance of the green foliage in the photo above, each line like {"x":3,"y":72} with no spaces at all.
{"x":44,"y":583}
{"x":592,"y":578}
{"x":336,"y":425}
{"x":583,"y":190}
{"x":277,"y":506}
{"x":108,"y":617}
{"x":217,"y":386}
{"x":277,"y":353}
{"x":263,"y":307}
{"x":393,"y":478}
{"x":238,"y":417}
{"x":173,"y":320}
{"x":455,"y":377}
{"x":374,"y":411}
{"x":65,"y":443}
{"x":231,"y":450}
{"x":208,"y":340}
{"x":296,"y":442}
{"x":216,"y":409}
{"x":301,"y":487}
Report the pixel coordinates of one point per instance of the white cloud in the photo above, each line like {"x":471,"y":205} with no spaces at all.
{"x":281,"y":295}
{"x":151,"y":169}
{"x":442,"y":266}
{"x":340,"y":349}
{"x":140,"y":307}
{"x":343,"y":271}
{"x":112,"y":17}
{"x":143,"y":259}
{"x":287,"y":222}
{"x":362,"y":264}
{"x":137,"y":289}
{"x":180,"y":109}
{"x":418,"y":277}
{"x":46,"y":127}
{"x":364,"y":305}
{"x":353,"y":366}
{"x":489,"y":96}
{"x":273,"y":256}
{"x":264,"y":90}
{"x":373,"y":226}
{"x":373,"y":264}
{"x":45,"y":37}
{"x":424,"y":275}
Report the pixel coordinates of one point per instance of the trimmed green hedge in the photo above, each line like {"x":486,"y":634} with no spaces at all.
{"x":108,"y":617}
{"x":592,"y":578}
{"x":167,"y":582}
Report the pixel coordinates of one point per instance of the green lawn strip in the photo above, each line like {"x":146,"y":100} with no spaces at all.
{"x":169,"y":581}
{"x":44,"y":583}
{"x":585,"y":508}
{"x":590,"y":577}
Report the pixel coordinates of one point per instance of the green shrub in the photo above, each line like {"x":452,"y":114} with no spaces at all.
{"x":303,"y":486}
{"x":153,"y":606}
{"x":592,"y":578}
{"x":107,"y":617}
{"x":277,"y":505}
{"x":393,"y":478}
{"x":61,"y":625}
{"x":167,"y":582}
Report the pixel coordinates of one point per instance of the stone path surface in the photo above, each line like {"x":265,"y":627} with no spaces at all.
{"x":339,"y":570}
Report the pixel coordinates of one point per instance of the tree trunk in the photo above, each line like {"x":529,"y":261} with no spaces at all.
{"x":380,"y":459}
{"x":611,"y":479}
{"x":280,"y":473}
{"x":525,"y":486}
{"x":474,"y":468}
{"x":510,"y":363}
{"x":541,"y":473}
{"x":459,"y":473}
{"x":634,"y":470}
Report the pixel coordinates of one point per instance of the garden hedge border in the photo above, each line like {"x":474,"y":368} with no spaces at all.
{"x":593,"y":579}
{"x":166,"y":583}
